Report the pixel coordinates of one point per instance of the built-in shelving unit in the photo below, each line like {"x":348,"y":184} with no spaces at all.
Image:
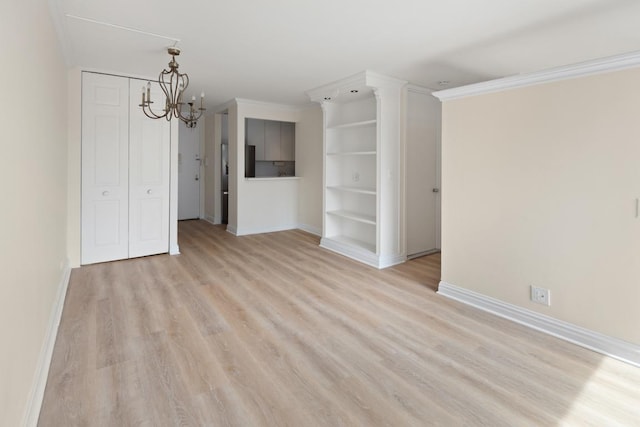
{"x":354,"y":216}
{"x":353,"y":153}
{"x":371,"y":191}
{"x":362,"y":211}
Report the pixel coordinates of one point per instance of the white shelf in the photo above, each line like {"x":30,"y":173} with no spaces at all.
{"x":353,"y":153}
{"x":352,"y":141}
{"x":362,"y":123}
{"x":359,"y":190}
{"x":354,"y":242}
{"x":354,"y":216}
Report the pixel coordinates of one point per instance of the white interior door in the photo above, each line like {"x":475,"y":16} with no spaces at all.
{"x":189,"y":172}
{"x":105,"y":135}
{"x":149,"y":149}
{"x":422,"y":201}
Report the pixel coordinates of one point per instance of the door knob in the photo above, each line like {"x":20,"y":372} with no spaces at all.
{"x":436,"y":190}
{"x":149,"y":191}
{"x":105,"y":193}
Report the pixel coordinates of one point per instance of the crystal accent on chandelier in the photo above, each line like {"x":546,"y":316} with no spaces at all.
{"x":173,"y":84}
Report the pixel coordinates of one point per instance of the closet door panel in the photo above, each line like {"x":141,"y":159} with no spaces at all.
{"x":149,"y":149}
{"x":105,"y":134}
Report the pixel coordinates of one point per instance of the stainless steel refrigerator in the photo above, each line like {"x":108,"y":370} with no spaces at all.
{"x":225,"y":183}
{"x":249,"y":161}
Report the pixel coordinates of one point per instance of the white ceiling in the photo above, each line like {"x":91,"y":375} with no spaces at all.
{"x":276,"y":50}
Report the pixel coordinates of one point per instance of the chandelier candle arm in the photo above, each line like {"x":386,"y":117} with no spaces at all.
{"x":174,"y":85}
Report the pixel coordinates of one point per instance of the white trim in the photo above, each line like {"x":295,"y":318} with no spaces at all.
{"x":260,"y":230}
{"x":36,"y":395}
{"x":332,"y":89}
{"x":375,"y":79}
{"x":212,"y":220}
{"x":350,"y":251}
{"x":597,"y":66}
{"x":423,"y":253}
{"x":610,"y":346}
{"x":233,"y":230}
{"x":363,"y":78}
{"x":174,"y":129}
{"x":390,"y":260}
{"x":362,"y":255}
{"x":310,"y":229}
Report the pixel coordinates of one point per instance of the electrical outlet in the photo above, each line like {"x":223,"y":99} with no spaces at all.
{"x":541,"y":295}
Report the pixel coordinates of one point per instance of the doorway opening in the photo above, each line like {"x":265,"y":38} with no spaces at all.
{"x":190,"y":172}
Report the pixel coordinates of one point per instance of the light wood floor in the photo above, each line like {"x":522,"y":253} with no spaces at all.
{"x":271,"y":330}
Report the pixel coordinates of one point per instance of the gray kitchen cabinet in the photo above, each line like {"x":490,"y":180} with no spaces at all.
{"x":272,"y":140}
{"x":287,"y":141}
{"x":255,"y":135}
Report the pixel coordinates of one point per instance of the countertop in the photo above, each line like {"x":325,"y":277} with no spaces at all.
{"x":272,"y":178}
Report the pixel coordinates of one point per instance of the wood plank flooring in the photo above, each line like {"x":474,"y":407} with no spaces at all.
{"x":271,"y":330}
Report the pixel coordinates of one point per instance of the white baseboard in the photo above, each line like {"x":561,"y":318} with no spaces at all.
{"x":310,"y":229}
{"x":231,"y":229}
{"x":390,"y":261}
{"x":212,"y":220}
{"x":423,"y":253}
{"x":362,"y":255}
{"x":174,"y":250}
{"x":34,"y":402}
{"x":610,"y":346}
{"x":259,"y":230}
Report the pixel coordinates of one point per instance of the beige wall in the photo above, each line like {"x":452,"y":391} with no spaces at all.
{"x":309,"y":168}
{"x":539,"y":187}
{"x":33,"y":215}
{"x":74,"y":169}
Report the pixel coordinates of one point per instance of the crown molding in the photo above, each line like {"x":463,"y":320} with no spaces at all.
{"x":366,"y":79}
{"x":333,"y":89}
{"x":587,"y":68}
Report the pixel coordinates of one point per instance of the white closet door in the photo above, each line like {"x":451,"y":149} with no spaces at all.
{"x":423,"y":118}
{"x":105,"y":152}
{"x":149,"y":148}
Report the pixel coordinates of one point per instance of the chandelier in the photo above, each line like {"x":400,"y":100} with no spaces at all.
{"x":173,"y":84}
